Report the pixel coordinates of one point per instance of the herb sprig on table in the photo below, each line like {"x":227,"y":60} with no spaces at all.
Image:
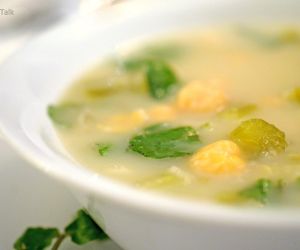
{"x":81,"y":230}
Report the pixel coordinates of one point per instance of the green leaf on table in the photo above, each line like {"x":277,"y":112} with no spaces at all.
{"x":259,"y":191}
{"x":64,"y":115}
{"x":36,"y":238}
{"x":83,"y":229}
{"x":161,"y":79}
{"x":165,"y":142}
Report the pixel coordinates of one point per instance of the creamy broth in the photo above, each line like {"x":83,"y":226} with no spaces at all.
{"x":222,"y":84}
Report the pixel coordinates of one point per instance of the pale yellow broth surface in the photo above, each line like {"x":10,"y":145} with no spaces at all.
{"x":247,"y":71}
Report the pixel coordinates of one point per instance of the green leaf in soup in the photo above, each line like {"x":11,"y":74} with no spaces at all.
{"x":36,"y":239}
{"x":238,"y":111}
{"x":83,"y":229}
{"x":262,"y":191}
{"x":257,"y":137}
{"x":103,"y":148}
{"x":64,"y":115}
{"x":161,"y":79}
{"x":259,"y":191}
{"x":166,"y":143}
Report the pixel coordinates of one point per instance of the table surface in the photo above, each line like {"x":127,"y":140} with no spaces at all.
{"x":30,"y":198}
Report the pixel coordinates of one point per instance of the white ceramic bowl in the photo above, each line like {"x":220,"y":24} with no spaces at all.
{"x":136,"y":220}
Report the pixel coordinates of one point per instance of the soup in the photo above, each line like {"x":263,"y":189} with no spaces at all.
{"x":208,"y":115}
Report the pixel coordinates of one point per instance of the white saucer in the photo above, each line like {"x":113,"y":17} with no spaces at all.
{"x":29,"y":198}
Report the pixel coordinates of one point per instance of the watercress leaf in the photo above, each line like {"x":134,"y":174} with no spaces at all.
{"x":64,"y":115}
{"x":103,"y":148}
{"x":36,"y":238}
{"x":259,"y":191}
{"x":83,"y":229}
{"x":166,"y":143}
{"x":160,"y":78}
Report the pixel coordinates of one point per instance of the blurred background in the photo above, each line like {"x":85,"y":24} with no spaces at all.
{"x":20,"y":20}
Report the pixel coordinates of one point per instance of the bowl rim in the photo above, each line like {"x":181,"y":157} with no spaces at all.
{"x":140,"y":200}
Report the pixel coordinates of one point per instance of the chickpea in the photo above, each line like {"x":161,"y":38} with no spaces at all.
{"x":201,"y":97}
{"x":221,"y":157}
